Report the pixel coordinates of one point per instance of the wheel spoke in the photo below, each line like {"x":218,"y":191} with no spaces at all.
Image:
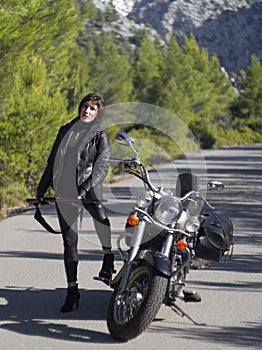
{"x":127,"y":304}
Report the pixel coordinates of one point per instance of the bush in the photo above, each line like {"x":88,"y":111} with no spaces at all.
{"x":232,"y":136}
{"x":203,"y":132}
{"x":11,"y":196}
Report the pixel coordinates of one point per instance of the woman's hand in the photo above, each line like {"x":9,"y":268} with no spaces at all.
{"x":84,"y":189}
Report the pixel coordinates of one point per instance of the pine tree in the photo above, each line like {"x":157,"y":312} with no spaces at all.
{"x":29,"y":121}
{"x":250,"y":100}
{"x":46,"y":29}
{"x":111,"y":74}
{"x":147,"y":71}
{"x":37,"y":40}
{"x":174,"y":72}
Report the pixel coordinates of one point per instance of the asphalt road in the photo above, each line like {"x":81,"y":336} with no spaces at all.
{"x":32,"y":283}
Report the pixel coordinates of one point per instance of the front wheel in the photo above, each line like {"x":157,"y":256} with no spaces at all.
{"x":129,"y":314}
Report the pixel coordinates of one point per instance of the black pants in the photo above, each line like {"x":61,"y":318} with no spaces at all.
{"x":67,"y":215}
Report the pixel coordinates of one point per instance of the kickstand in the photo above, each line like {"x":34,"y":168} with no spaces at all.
{"x":181,"y":313}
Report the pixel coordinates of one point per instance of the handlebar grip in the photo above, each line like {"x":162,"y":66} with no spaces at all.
{"x":118,"y":160}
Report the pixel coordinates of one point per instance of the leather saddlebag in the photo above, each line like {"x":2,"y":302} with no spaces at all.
{"x":215,"y":237}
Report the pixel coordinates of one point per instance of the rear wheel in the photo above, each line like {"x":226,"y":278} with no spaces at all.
{"x":130,"y":313}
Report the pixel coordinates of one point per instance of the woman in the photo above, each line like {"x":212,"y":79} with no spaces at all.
{"x":77,"y":165}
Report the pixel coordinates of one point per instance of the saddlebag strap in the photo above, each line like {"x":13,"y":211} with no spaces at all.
{"x":38,"y":217}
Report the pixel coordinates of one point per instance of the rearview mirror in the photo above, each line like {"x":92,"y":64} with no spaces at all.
{"x":124,"y":139}
{"x":215,"y":186}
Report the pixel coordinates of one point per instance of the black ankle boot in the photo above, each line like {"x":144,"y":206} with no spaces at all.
{"x":107,"y":269}
{"x":72,"y":298}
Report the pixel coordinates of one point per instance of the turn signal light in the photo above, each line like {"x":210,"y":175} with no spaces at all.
{"x":133,"y":220}
{"x":182,"y":244}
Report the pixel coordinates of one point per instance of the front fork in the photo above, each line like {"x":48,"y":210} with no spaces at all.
{"x":135,"y":245}
{"x":160,"y":261}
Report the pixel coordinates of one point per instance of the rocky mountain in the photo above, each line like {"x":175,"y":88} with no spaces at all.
{"x":232,"y":29}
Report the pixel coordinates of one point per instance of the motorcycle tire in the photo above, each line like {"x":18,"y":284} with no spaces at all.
{"x":129,"y":315}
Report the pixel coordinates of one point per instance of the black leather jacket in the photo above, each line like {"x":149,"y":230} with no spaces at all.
{"x":92,"y":156}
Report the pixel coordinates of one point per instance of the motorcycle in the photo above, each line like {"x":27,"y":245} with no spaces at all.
{"x":166,"y":235}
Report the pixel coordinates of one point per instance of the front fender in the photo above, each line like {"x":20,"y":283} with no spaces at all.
{"x":159,"y":261}
{"x":113,"y":283}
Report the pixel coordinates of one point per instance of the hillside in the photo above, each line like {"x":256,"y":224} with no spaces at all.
{"x":230,"y":29}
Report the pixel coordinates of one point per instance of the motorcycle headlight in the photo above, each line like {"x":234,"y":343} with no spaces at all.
{"x":192,"y":224}
{"x":144,"y":200}
{"x":168,"y":209}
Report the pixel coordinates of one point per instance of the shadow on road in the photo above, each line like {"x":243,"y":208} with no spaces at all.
{"x":26,"y":311}
{"x":247,"y":336}
{"x":84,"y":254}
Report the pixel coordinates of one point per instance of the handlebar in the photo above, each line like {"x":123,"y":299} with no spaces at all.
{"x":131,"y":166}
{"x":142,"y":174}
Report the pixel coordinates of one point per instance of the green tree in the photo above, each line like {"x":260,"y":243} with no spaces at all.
{"x":194,"y":86}
{"x":207,"y":87}
{"x":172,"y":75}
{"x":44,"y":28}
{"x":37,"y":42}
{"x":147,"y":67}
{"x":111,"y":73}
{"x":29,"y":122}
{"x":248,"y":105}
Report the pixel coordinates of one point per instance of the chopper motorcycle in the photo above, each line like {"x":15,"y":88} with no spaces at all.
{"x":166,"y":235}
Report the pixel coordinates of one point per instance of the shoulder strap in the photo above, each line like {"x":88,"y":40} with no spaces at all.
{"x":38,"y":217}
